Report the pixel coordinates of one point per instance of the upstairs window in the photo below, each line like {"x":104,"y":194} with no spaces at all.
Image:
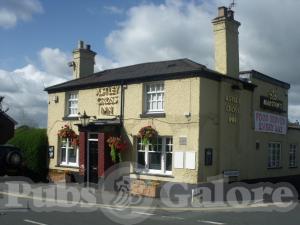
{"x":154,"y":97}
{"x":292,"y":155}
{"x":72,"y":104}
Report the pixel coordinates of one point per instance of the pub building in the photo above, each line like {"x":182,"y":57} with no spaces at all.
{"x":204,"y":122}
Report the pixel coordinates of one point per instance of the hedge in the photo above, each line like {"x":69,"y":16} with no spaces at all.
{"x":34,"y":144}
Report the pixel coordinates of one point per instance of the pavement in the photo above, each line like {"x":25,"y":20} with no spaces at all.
{"x":109,"y":208}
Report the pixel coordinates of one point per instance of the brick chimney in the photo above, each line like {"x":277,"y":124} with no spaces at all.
{"x":226,"y":42}
{"x":83,"y":60}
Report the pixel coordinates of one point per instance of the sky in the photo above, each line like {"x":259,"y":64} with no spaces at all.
{"x":37,"y":38}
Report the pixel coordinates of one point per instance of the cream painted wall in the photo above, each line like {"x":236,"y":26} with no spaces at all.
{"x":233,"y":144}
{"x":181,"y":97}
{"x":56,"y":112}
{"x":257,"y":160}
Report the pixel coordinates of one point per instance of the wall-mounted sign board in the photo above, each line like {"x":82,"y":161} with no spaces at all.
{"x":271,"y":104}
{"x":270,"y":123}
{"x":231,"y":173}
{"x":190,"y":160}
{"x":178,"y":160}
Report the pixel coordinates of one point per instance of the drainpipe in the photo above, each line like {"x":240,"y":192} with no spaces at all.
{"x":122,"y":103}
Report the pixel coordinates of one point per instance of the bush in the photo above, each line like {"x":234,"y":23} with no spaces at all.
{"x":34,"y":144}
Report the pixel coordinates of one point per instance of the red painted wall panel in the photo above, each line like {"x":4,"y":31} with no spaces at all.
{"x":82,"y":153}
{"x":101,"y":154}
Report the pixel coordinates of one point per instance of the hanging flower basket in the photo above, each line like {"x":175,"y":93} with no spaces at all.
{"x":147,"y":134}
{"x":66,"y":132}
{"x":116,"y":147}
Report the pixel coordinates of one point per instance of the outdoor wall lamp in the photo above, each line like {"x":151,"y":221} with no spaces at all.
{"x":85,"y":119}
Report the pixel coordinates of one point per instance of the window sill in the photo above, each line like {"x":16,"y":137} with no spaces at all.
{"x":274,"y":168}
{"x":293,"y":167}
{"x":153,"y":174}
{"x":69,"y":118}
{"x":153,"y":115}
{"x":67,"y":166}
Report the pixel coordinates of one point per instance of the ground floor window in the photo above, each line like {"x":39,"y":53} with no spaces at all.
{"x":68,"y":153}
{"x":292,"y":155}
{"x":274,"y":160}
{"x":156,"y":157}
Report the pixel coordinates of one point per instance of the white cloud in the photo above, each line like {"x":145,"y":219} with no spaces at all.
{"x":12,"y":11}
{"x":23,"y":88}
{"x":269,"y":42}
{"x":103,"y":63}
{"x":54,"y":62}
{"x":175,"y":30}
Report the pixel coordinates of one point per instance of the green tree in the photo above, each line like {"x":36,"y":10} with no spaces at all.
{"x":34,"y":144}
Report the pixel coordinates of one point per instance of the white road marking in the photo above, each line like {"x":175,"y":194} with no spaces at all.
{"x":34,"y":222}
{"x":173,"y":217}
{"x":117,"y":209}
{"x":211,"y":222}
{"x":143,"y":213}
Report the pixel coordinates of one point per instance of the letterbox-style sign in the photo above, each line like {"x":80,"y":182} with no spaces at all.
{"x":270,"y":123}
{"x":271,"y":102}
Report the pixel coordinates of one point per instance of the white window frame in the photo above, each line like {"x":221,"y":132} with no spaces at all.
{"x":274,"y":158}
{"x":70,"y":101}
{"x":163,"y":170}
{"x":149,"y":95}
{"x":68,"y":147}
{"x":292,"y":155}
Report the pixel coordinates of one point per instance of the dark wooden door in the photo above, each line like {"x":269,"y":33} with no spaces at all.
{"x":93,"y":161}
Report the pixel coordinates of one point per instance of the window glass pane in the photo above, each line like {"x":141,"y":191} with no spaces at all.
{"x":154,"y":97}
{"x":169,"y":161}
{"x":154,"y":106}
{"x":169,"y":147}
{"x":64,"y":142}
{"x":63,"y":154}
{"x":159,"y":105}
{"x":159,"y":141}
{"x":93,"y":136}
{"x":141,"y":160}
{"x":154,"y":161}
{"x":72,"y":155}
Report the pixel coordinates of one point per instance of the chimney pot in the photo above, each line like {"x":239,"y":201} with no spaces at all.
{"x":80,"y":44}
{"x":222,"y":11}
{"x":88,"y":47}
{"x":230,"y":14}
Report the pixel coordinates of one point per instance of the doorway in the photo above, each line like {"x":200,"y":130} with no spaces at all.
{"x":92,"y":158}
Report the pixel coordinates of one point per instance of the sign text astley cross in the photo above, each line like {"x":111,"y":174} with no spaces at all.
{"x":107,"y":98}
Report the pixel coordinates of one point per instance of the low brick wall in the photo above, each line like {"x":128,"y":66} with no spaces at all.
{"x":57,"y":176}
{"x":145,"y":188}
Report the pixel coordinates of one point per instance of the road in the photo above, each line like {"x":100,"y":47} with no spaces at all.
{"x":103,"y":216}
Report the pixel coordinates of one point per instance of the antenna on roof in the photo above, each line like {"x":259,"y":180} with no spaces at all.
{"x":233,"y":4}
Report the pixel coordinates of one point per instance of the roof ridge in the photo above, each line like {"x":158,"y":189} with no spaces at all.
{"x":144,"y":63}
